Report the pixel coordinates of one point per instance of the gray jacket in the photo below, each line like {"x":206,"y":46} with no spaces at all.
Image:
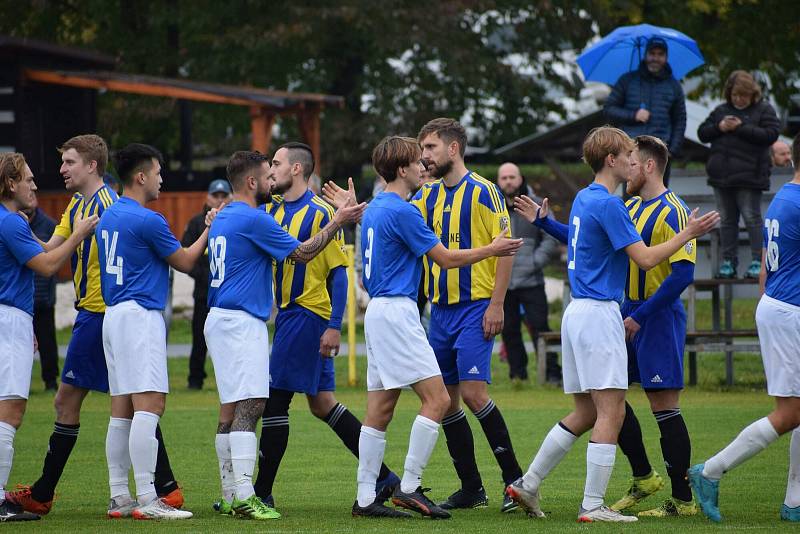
{"x":538,"y":248}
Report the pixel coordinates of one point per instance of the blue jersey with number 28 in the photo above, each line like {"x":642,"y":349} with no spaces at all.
{"x":782,"y":244}
{"x":599,"y":230}
{"x":394,"y":237}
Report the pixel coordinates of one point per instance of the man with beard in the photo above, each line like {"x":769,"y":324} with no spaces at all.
{"x":465,"y":211}
{"x":311,"y":299}
{"x":243,"y":243}
{"x":526,"y":287}
{"x":650,"y":101}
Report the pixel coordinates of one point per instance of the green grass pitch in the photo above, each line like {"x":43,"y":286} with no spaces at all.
{"x":316,"y":486}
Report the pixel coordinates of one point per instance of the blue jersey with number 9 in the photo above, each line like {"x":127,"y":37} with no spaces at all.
{"x":782,"y":244}
{"x":599,"y":230}
{"x":394,"y":237}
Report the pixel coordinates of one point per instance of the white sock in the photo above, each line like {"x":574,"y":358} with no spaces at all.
{"x":750,"y":441}
{"x":371,"y":446}
{"x":6,"y":455}
{"x":244,"y":451}
{"x":223,"y":445}
{"x":555,"y":446}
{"x":118,"y":456}
{"x":143,"y":447}
{"x":792,"y":499}
{"x":424,"y":433}
{"x":599,"y":464}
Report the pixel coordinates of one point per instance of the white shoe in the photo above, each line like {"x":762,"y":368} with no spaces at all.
{"x":122,"y":506}
{"x":527,"y":500}
{"x":158,"y":509}
{"x":604,"y":513}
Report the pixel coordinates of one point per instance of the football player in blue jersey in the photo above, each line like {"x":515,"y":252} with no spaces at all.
{"x":21,"y":254}
{"x":778,"y":322}
{"x":600,"y":240}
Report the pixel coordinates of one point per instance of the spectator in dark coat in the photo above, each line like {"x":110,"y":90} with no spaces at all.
{"x":650,"y":101}
{"x":219,"y":194}
{"x":741,"y":132}
{"x":44,"y":302}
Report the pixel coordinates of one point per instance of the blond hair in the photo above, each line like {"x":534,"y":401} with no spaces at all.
{"x":91,"y":148}
{"x":601,"y":142}
{"x":12,"y":170}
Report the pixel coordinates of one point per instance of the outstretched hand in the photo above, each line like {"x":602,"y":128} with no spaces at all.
{"x":697,"y":226}
{"x":338,"y":197}
{"x":502,"y":245}
{"x":530,"y":210}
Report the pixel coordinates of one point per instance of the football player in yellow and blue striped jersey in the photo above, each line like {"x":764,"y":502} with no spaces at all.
{"x":84,"y":159}
{"x":465,"y":210}
{"x":655,"y":327}
{"x":311,"y":299}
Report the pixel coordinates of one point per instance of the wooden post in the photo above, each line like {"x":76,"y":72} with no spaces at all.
{"x":308,"y":119}
{"x":261,"y":122}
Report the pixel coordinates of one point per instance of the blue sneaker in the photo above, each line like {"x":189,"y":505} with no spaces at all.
{"x":727,"y":270}
{"x":384,"y":488}
{"x":790,"y":514}
{"x":706,"y":491}
{"x":754,"y":270}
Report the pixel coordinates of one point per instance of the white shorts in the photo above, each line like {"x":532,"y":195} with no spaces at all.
{"x":593,"y":349}
{"x":398,"y":352}
{"x":135,"y":344}
{"x":779,"y":336}
{"x":16,"y":353}
{"x":239,"y":347}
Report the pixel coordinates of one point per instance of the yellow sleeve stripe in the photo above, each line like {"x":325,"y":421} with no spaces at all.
{"x":631,"y":201}
{"x":491,"y":190}
{"x":105,"y":198}
{"x":324,"y":205}
{"x":680,"y":212}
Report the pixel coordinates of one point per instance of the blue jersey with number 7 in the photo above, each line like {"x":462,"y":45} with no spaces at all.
{"x":782,"y":244}
{"x":599,"y":230}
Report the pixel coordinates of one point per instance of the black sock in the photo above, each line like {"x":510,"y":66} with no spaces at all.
{"x":62,"y":440}
{"x":632,"y":445}
{"x":274,"y":439}
{"x":677,"y":450}
{"x":164,"y":480}
{"x":494,"y":426}
{"x":348,"y":428}
{"x":461,"y":446}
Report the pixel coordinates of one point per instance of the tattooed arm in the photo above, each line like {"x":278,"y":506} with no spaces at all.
{"x":316,"y":244}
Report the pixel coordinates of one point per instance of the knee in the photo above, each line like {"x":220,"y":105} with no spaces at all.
{"x":278,"y":403}
{"x":378,"y":419}
{"x":68,"y":408}
{"x":321,"y":404}
{"x":475,"y":400}
{"x":13,"y":414}
{"x":438,"y":404}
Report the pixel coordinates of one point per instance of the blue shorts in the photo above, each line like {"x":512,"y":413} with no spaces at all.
{"x":85,"y":364}
{"x":456,"y":336}
{"x":296,"y":363}
{"x":655,"y":355}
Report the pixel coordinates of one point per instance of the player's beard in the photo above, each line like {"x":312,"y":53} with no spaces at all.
{"x":636,"y":183}
{"x":440,"y":171}
{"x":263,"y":197}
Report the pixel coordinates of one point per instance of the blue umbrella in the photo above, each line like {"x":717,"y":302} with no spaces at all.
{"x":623,"y":49}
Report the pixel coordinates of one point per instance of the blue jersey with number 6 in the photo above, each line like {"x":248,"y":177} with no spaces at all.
{"x":133,"y":243}
{"x":782,"y":244}
{"x":599,"y":230}
{"x":394,"y":237}
{"x":242,"y":242}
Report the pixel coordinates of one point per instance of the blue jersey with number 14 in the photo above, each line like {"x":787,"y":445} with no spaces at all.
{"x":782,"y":241}
{"x":599,"y":230}
{"x":394,"y":237}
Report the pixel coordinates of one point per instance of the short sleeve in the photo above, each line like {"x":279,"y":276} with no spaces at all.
{"x":19,"y":239}
{"x":159,"y":236}
{"x":335,"y":252}
{"x":418,"y":200}
{"x":268,"y":236}
{"x":64,"y":228}
{"x":415,"y":233}
{"x":674,"y":223}
{"x":495,"y":219}
{"x":616,"y":221}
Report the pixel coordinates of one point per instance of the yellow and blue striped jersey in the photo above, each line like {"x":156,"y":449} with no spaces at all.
{"x":657,"y":221}
{"x":306,"y":284}
{"x":85,"y":264}
{"x":468,"y":215}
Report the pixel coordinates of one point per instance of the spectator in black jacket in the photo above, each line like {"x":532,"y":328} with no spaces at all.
{"x":741,"y":132}
{"x":44,"y":302}
{"x":219,"y":194}
{"x":650,"y":101}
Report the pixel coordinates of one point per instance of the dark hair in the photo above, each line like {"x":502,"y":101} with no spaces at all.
{"x":300,"y":153}
{"x":12,"y":170}
{"x":136,"y":157}
{"x":91,"y":148}
{"x":242,"y":164}
{"x":652,"y":148}
{"x":796,"y":152}
{"x":392,"y":153}
{"x":448,"y":130}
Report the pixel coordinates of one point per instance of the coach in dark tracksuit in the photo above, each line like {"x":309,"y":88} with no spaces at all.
{"x":650,"y":101}
{"x":219,"y":193}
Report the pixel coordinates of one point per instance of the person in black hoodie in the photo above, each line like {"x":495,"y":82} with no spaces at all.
{"x":740,"y":132}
